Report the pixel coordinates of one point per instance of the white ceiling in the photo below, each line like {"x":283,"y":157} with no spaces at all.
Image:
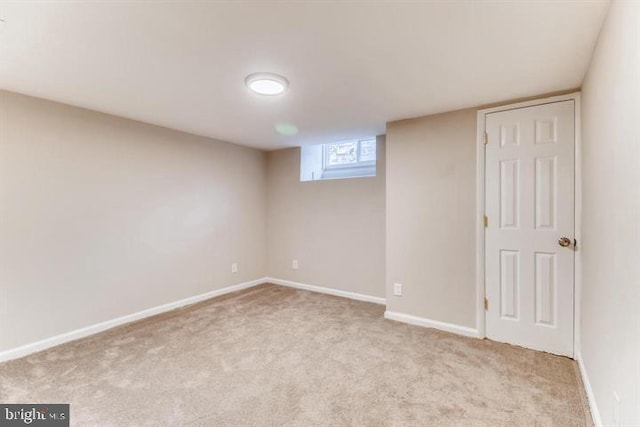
{"x":352,"y":66}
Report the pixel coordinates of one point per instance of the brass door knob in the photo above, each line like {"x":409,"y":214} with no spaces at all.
{"x":564,"y":242}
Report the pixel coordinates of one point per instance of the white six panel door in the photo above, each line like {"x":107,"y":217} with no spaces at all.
{"x":530,"y":207}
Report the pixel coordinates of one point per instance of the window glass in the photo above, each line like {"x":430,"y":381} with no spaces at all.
{"x":335,"y":160}
{"x":343,"y":153}
{"x":368,"y":150}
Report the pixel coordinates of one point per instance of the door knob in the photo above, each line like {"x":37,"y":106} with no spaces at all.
{"x":564,"y":242}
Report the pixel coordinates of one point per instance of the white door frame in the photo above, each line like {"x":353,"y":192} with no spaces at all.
{"x":480,"y":211}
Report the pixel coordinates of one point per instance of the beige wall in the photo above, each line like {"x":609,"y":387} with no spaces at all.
{"x":431,"y":190}
{"x":101,"y":217}
{"x":610,"y":333}
{"x":334,"y":228}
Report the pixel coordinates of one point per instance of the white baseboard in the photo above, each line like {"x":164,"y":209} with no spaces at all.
{"x":428,"y":323}
{"x":330,"y":291}
{"x":587,"y":387}
{"x":27,"y":349}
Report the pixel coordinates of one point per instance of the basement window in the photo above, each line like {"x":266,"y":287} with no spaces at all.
{"x":346,"y":159}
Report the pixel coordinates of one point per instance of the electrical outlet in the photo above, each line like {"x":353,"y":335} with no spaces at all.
{"x":397,"y":289}
{"x":234,"y":267}
{"x":294,"y":264}
{"x":616,"y":409}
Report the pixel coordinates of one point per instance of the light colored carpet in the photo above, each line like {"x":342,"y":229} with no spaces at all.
{"x":274,"y":356}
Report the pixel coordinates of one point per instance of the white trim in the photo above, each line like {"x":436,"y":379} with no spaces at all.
{"x":329,"y":291}
{"x":27,"y":349}
{"x":577,"y":277}
{"x":480,"y":209}
{"x":428,"y":323}
{"x":540,"y":101}
{"x":591,"y":398}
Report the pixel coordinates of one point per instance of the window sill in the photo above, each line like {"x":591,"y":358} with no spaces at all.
{"x":353,"y":172}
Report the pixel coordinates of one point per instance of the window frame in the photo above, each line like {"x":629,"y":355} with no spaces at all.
{"x":359,"y":168}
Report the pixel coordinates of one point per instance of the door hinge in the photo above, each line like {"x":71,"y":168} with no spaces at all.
{"x":486,"y":304}
{"x":486,"y":221}
{"x":486,"y":138}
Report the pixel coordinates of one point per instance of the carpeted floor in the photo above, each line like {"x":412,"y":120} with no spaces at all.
{"x":274,"y":356}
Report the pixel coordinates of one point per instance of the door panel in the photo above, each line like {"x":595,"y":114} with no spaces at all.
{"x":530,"y":206}
{"x":509,"y":194}
{"x":509,"y":284}
{"x":545,"y":289}
{"x":545,"y":189}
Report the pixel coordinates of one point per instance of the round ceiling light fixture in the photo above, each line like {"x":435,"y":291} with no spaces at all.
{"x":266,"y":83}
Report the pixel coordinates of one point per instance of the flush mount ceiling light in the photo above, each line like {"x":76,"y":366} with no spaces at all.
{"x":266,"y":83}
